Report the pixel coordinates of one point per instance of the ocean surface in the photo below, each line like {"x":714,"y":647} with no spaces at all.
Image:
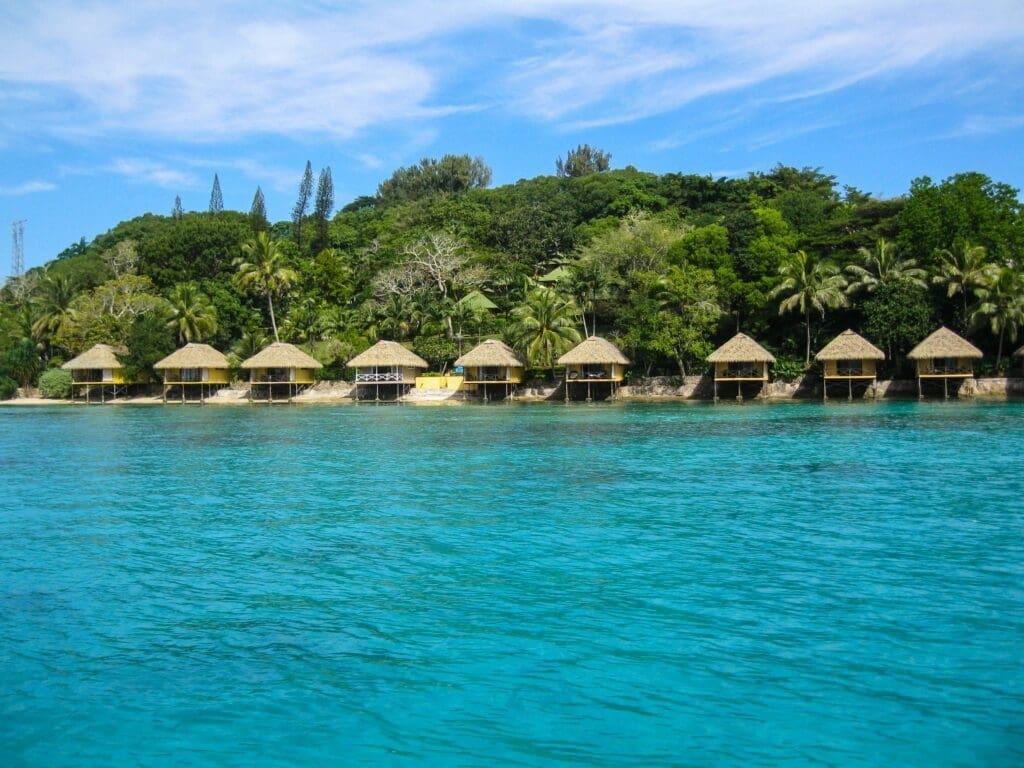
{"x":513,"y":585}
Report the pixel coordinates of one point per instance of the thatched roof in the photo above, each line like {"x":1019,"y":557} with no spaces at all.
{"x":385,"y":353}
{"x":1019,"y":352}
{"x":99,"y":357}
{"x":850,"y":346}
{"x":193,"y":356}
{"x":593,"y":351}
{"x":475,"y":301}
{"x":741,"y":349}
{"x":490,"y":353}
{"x":281,"y":355}
{"x":944,"y":343}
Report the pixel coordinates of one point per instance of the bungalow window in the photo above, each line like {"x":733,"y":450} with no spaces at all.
{"x":594,"y":371}
{"x":850,"y":367}
{"x":945,"y":365}
{"x":278,"y":374}
{"x":191,"y":374}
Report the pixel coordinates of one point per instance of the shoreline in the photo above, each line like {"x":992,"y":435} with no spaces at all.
{"x":691,"y":390}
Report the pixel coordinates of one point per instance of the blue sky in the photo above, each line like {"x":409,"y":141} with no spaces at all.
{"x":110,"y":109}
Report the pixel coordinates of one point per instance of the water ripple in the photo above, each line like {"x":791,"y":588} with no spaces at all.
{"x":535,"y":585}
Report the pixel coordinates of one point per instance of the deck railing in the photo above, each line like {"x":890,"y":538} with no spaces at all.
{"x":377,"y":378}
{"x":741,"y":373}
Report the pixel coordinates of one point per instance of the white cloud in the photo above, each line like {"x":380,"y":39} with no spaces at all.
{"x":213,"y":72}
{"x":153,"y":172}
{"x":987,"y":125}
{"x":27,"y":188}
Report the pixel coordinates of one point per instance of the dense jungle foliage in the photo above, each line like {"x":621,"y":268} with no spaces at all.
{"x":666,"y":266}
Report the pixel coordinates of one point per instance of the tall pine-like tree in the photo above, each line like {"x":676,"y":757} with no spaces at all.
{"x":258,"y":212}
{"x":324,"y":206}
{"x":302,"y":204}
{"x":216,"y":198}
{"x":177,"y":212}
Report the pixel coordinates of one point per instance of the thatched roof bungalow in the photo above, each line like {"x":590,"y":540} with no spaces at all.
{"x":740,"y":359}
{"x":491,"y":362}
{"x":195,"y":367}
{"x":594,"y":361}
{"x":946,"y":356}
{"x":97,"y":367}
{"x":280,"y":366}
{"x":849,"y":358}
{"x":387,"y":364}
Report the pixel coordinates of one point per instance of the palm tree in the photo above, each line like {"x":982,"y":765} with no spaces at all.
{"x":263,"y":270}
{"x":589,"y":281}
{"x":963,"y":271}
{"x":399,"y":316}
{"x":882,"y":265}
{"x":251,"y":342}
{"x":1001,"y":305}
{"x":55,"y":293}
{"x":193,"y":316}
{"x":809,"y":283}
{"x":545,"y":326}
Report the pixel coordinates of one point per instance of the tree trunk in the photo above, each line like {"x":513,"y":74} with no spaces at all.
{"x":807,"y":323}
{"x":273,"y":322}
{"x":584,"y":314}
{"x":999,"y":354}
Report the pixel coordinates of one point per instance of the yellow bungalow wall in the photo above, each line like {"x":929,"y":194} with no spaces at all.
{"x":513,"y":374}
{"x":107,"y":376}
{"x":614,"y":371}
{"x":869,"y":368}
{"x":214,"y":376}
{"x":926,"y":367}
{"x":302,"y":376}
{"x":760,"y":371}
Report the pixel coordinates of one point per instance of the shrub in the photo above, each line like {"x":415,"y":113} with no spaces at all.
{"x":8,"y":387}
{"x":55,"y":383}
{"x":788,"y":368}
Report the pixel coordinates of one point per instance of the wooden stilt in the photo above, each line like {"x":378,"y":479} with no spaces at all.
{"x":849,"y":394}
{"x":920,"y":393}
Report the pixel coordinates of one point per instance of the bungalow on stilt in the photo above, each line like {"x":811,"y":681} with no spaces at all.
{"x":741,"y":360}
{"x":851,"y":359}
{"x":491,"y":366}
{"x":387,"y":368}
{"x":195,"y":371}
{"x":594,"y":367}
{"x":280,"y":371}
{"x":944,"y":357}
{"x":97,"y":371}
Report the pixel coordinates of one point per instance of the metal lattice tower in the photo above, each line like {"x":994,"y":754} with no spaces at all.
{"x":17,"y":249}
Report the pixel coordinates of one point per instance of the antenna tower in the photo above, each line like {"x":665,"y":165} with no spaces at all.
{"x":17,"y":249}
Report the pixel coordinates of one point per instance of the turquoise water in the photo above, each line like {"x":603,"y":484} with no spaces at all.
{"x":513,"y":585}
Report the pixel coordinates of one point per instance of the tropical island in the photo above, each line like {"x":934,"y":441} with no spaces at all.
{"x":666,"y":268}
